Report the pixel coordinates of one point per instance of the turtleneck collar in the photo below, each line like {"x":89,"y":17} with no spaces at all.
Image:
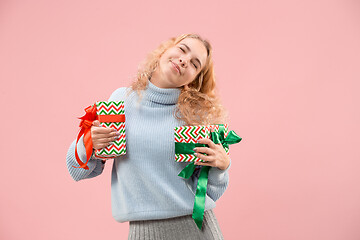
{"x":167,"y":96}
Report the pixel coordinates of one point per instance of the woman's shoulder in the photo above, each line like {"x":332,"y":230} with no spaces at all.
{"x":120,"y":94}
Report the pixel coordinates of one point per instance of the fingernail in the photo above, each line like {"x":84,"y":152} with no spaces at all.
{"x":118,"y":133}
{"x":195,"y":154}
{"x":194,"y":149}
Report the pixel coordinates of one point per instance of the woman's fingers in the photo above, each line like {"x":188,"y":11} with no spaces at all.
{"x":208,"y":161}
{"x":215,"y":154}
{"x":209,"y":151}
{"x":103,"y":142}
{"x":206,"y":150}
{"x":207,"y":141}
{"x":106,"y":140}
{"x":100,"y":146}
{"x":102,"y":130}
{"x":203,"y":157}
{"x":205,"y":164}
{"x":103,"y":136}
{"x":106,"y":135}
{"x":96,"y":123}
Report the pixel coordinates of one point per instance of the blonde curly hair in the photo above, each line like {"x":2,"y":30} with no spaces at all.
{"x":197,"y":105}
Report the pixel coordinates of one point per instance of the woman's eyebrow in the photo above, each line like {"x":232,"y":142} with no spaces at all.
{"x":190,"y":51}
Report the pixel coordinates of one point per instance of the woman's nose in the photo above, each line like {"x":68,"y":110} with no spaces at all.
{"x":183,"y":62}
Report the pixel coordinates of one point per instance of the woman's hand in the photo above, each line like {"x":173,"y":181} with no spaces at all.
{"x":102,"y":136}
{"x":216,"y":155}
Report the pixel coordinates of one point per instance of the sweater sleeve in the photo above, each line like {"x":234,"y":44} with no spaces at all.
{"x":96,"y":166}
{"x":218,"y":181}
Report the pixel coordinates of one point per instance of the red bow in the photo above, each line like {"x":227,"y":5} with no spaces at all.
{"x":85,"y":127}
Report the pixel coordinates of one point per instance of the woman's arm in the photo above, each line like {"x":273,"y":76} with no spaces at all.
{"x":219,"y":161}
{"x":218,"y":181}
{"x":96,"y":166}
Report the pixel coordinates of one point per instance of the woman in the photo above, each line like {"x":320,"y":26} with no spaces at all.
{"x":174,"y":87}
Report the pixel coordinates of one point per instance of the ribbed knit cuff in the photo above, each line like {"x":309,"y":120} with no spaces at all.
{"x":79,"y":173}
{"x":216,"y":174}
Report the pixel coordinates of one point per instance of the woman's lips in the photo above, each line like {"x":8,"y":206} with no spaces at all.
{"x":176,"y":67}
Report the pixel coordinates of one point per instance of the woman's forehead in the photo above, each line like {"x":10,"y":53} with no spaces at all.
{"x":197,"y":46}
{"x":193,"y":42}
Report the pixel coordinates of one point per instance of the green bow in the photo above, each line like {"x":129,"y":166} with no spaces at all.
{"x":187,"y":148}
{"x":219,"y":137}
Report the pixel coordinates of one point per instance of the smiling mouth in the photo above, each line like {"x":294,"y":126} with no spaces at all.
{"x":177,"y":67}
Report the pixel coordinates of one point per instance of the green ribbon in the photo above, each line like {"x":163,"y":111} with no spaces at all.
{"x":219,"y":137}
{"x":199,"y":202}
{"x":187,"y":148}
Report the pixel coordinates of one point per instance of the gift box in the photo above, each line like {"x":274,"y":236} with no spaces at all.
{"x":186,"y":138}
{"x":112,"y":115}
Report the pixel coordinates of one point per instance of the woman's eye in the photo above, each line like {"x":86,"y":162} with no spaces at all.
{"x":184,"y":51}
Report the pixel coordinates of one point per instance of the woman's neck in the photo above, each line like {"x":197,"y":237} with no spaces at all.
{"x":159,"y":95}
{"x":158,"y":80}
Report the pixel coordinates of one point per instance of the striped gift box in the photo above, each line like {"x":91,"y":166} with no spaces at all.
{"x":112,"y":115}
{"x":190,"y":134}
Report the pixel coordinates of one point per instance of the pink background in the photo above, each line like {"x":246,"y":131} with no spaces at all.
{"x":288,"y":72}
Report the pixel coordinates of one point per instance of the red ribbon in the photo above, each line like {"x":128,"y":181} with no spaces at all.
{"x":85,"y":127}
{"x":112,"y":118}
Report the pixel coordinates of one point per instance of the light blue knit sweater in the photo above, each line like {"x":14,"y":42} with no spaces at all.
{"x":145,"y":183}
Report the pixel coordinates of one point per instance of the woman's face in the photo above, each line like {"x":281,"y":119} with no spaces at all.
{"x":179,"y":65}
